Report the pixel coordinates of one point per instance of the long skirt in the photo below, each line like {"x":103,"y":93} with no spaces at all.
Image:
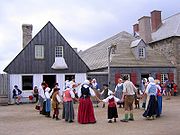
{"x":48,"y":105}
{"x":68,"y":111}
{"x":159,"y":105}
{"x":112,"y":112}
{"x":151,"y":108}
{"x":86,"y":111}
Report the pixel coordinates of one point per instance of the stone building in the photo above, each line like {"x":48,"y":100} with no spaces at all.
{"x":163,"y":35}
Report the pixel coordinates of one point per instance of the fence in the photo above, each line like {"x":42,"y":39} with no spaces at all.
{"x":4,"y":86}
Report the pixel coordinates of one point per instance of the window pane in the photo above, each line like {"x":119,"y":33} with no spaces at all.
{"x":27,"y":82}
{"x":59,"y":51}
{"x":39,"y":51}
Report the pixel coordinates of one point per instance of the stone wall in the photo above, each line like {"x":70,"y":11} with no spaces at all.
{"x":170,"y":49}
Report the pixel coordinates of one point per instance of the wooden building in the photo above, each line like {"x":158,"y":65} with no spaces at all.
{"x":46,"y":57}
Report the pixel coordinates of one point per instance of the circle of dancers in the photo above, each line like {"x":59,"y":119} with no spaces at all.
{"x":88,"y":94}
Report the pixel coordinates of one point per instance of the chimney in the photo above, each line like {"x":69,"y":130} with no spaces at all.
{"x":27,"y":33}
{"x":145,"y":28}
{"x":76,"y":50}
{"x":135,"y":28}
{"x":155,"y":20}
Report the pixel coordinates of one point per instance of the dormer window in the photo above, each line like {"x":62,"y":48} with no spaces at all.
{"x":59,"y":51}
{"x":141,"y":52}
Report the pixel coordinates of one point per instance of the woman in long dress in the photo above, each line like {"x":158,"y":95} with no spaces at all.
{"x":119,"y":91}
{"x":151,"y":91}
{"x":85,"y":109}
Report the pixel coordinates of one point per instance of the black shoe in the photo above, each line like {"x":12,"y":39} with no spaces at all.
{"x":110,"y":121}
{"x":124,"y":120}
{"x":53,"y":116}
{"x":115,"y":120}
{"x":71,"y":121}
{"x":130,"y":119}
{"x":57,"y":118}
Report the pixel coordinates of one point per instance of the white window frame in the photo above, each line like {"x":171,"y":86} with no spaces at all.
{"x":39,"y":51}
{"x":59,"y":51}
{"x":163,"y":76}
{"x":31,"y":76}
{"x":141,"y":52}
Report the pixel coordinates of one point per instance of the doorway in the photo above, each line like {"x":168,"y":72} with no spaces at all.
{"x":144,"y":76}
{"x":50,"y":80}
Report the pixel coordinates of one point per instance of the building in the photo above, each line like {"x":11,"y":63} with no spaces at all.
{"x":46,"y":57}
{"x":132,"y":57}
{"x":163,"y":35}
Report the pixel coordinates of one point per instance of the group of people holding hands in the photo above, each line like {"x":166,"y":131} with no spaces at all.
{"x":88,"y":93}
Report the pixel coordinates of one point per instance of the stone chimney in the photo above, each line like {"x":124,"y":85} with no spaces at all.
{"x":135,"y":28}
{"x":27,"y":33}
{"x":155,"y":20}
{"x":145,"y":28}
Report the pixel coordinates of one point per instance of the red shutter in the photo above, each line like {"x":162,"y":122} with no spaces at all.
{"x":117,"y":76}
{"x":158,"y":76}
{"x":134,"y":78}
{"x":171,"y":76}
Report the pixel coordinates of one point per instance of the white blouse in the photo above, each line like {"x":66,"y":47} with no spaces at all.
{"x":90,"y":90}
{"x":109,"y":97}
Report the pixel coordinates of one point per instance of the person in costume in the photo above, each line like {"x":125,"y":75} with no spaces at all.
{"x":48,"y":102}
{"x":118,"y":91}
{"x":95,"y":87}
{"x":85,"y":108}
{"x":129,"y":91}
{"x":68,"y":96}
{"x":143,"y":89}
{"x":36,"y":93}
{"x":159,"y":99}
{"x":174,"y":88}
{"x":167,"y":85}
{"x":151,"y":91}
{"x":41,"y":98}
{"x":56,"y":100}
{"x":112,"y":109}
{"x":104,"y":93}
{"x":17,"y":94}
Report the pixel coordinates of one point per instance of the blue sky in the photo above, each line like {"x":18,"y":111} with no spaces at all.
{"x":83,"y":23}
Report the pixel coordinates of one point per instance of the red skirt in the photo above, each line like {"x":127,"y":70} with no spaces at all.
{"x":86,"y":111}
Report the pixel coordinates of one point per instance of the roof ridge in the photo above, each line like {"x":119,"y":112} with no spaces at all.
{"x":171,"y":16}
{"x":106,"y":39}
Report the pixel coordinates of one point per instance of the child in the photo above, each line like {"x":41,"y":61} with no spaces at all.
{"x":55,"y":103}
{"x":68,"y":96}
{"x":112,"y":109}
{"x":137,"y":98}
{"x":104,"y":93}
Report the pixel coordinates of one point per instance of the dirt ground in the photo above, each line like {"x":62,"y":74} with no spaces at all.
{"x":25,"y":120}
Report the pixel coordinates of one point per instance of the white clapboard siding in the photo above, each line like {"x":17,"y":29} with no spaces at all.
{"x":60,"y":80}
{"x":37,"y":80}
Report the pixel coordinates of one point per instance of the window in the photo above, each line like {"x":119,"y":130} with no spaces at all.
{"x":163,"y":76}
{"x":59,"y":51}
{"x":141,"y":52}
{"x":39,"y":51}
{"x":27,"y":82}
